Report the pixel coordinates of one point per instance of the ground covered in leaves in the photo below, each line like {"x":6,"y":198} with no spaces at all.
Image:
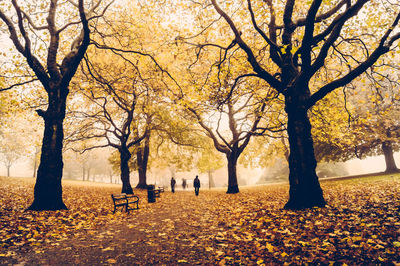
{"x":360,"y":225}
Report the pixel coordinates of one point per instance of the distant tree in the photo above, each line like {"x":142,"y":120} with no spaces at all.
{"x":35,"y":160}
{"x":11,"y":149}
{"x":375,"y":124}
{"x":110,"y":116}
{"x":368,"y":127}
{"x":241,"y":114}
{"x":208,"y":162}
{"x":176,"y":140}
{"x":166,"y":146}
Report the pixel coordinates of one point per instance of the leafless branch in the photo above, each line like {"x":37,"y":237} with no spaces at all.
{"x":18,"y":84}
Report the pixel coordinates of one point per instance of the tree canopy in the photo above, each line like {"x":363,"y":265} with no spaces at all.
{"x":307,"y":80}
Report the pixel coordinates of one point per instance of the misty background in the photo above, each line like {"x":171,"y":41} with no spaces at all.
{"x":100,"y":172}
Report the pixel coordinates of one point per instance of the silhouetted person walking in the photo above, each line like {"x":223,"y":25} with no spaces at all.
{"x":196,"y":184}
{"x":184,"y":183}
{"x":173,"y":182}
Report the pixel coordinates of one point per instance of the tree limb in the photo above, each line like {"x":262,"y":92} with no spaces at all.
{"x":18,"y":84}
{"x":276,"y":84}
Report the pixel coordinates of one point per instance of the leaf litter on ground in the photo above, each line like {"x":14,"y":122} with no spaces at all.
{"x":360,"y":225}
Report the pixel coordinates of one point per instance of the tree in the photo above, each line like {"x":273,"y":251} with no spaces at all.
{"x":130,"y":83}
{"x":35,"y":160}
{"x":304,"y":51}
{"x":333,"y":137}
{"x":242,"y":113}
{"x":54,"y":69}
{"x":11,"y":149}
{"x":142,"y":155}
{"x":32,"y":130}
{"x":376,"y":127}
{"x":140,"y":160}
{"x":111,"y":112}
{"x":368,"y":127}
{"x":176,"y":140}
{"x":208,"y":162}
{"x":170,"y":142}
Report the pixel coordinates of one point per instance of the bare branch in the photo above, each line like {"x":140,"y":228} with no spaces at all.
{"x":274,"y":48}
{"x":276,"y":84}
{"x":350,"y":12}
{"x":352,"y":74}
{"x":73,"y":59}
{"x":324,"y":16}
{"x":308,"y":34}
{"x":18,"y":84}
{"x":88,"y":14}
{"x":33,"y":24}
{"x":218,"y":146}
{"x":117,"y":51}
{"x":33,"y":62}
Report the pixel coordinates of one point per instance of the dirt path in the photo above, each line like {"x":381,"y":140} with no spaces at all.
{"x":156,"y":235}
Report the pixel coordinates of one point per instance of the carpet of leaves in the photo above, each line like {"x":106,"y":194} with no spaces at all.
{"x":360,"y":225}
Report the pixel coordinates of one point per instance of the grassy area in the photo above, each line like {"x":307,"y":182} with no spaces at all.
{"x":360,"y":225}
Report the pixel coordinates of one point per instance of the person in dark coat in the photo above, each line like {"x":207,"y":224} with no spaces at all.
{"x":196,"y":184}
{"x":184,"y":183}
{"x":173,"y":182}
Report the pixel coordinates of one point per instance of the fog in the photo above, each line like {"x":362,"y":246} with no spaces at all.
{"x":23,"y":168}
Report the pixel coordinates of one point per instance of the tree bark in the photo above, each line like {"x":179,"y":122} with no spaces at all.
{"x":48,"y":190}
{"x":142,"y":169}
{"x":142,"y":162}
{"x":125,"y":156}
{"x":232,"y":173}
{"x":389,"y":158}
{"x":8,"y":170}
{"x":305,"y":190}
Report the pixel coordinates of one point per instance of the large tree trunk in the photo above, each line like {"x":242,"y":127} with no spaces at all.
{"x":8,"y":170}
{"x":125,"y":155}
{"x":389,"y":158}
{"x":232,"y":175}
{"x":142,"y":162}
{"x":305,"y":190}
{"x":48,"y":190}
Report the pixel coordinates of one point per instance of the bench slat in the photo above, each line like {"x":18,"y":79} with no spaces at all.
{"x":125,"y":201}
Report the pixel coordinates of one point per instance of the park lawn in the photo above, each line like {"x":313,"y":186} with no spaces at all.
{"x":360,"y":225}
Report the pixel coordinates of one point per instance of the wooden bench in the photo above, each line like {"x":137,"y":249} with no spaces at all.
{"x":126,"y":201}
{"x":157,"y":192}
